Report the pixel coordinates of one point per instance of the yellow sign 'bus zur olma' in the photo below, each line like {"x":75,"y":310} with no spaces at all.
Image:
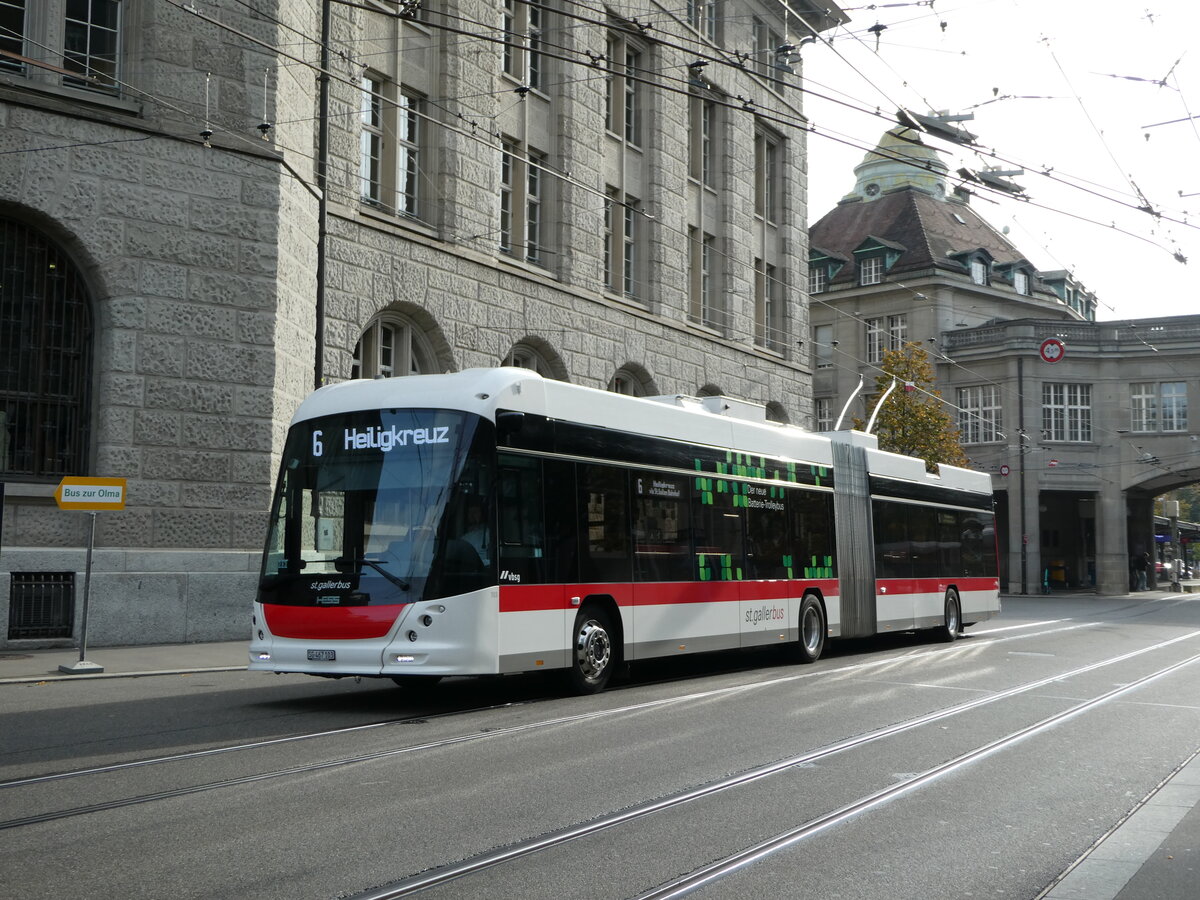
{"x":492,"y":521}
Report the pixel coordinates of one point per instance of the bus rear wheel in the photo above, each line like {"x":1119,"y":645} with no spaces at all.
{"x":812,"y":630}
{"x":952,"y":625}
{"x":592,"y":652}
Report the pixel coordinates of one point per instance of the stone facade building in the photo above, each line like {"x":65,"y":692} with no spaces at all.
{"x":1081,"y":423}
{"x":206,"y":210}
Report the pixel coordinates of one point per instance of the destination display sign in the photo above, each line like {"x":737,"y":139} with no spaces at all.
{"x":79,"y":492}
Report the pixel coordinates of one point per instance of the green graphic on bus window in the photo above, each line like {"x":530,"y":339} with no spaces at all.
{"x":821,"y":567}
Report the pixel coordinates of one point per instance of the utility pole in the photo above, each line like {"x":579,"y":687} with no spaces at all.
{"x":323,"y":187}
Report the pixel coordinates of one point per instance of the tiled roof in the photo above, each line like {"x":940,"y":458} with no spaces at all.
{"x":930,"y":229}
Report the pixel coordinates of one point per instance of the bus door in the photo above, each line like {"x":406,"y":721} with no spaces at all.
{"x":667,"y":616}
{"x":770,"y":601}
{"x":534,"y":608}
{"x":719,"y":550}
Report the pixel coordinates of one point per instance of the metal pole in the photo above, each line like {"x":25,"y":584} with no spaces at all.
{"x":1021,"y":454}
{"x":323,"y":200}
{"x":83,"y":666}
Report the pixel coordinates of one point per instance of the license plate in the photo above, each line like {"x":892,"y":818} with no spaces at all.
{"x":322,"y":655}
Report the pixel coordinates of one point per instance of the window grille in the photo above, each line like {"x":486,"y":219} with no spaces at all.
{"x":45,"y":357}
{"x":41,"y":605}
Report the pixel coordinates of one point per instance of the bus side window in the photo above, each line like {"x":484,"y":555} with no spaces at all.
{"x":811,"y":517}
{"x":950,"y":543}
{"x":604,"y":511}
{"x":892,"y":546}
{"x":769,"y":550}
{"x":718,"y":531}
{"x":562,"y":523}
{"x":662,"y":550}
{"x":923,"y":531}
{"x":521,"y":542}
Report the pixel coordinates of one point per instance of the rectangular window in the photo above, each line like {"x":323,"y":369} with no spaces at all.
{"x":533,"y":210}
{"x":875,"y":340}
{"x":408,"y":155}
{"x":604,"y":506}
{"x":979,"y":418}
{"x":522,"y":24}
{"x":870,"y":270}
{"x":823,"y":413}
{"x":512,"y":37}
{"x":702,"y":15}
{"x":623,"y":91}
{"x":662,"y":527}
{"x":621,"y":242}
{"x":704,"y":278}
{"x":629,"y":256}
{"x":702,"y":159}
{"x":1158,"y":406}
{"x":1143,"y":401}
{"x":633,"y":117}
{"x":885,"y":333}
{"x":768,"y":307}
{"x":12,"y":32}
{"x":767,"y":153}
{"x":507,"y":164}
{"x":818,"y":279}
{"x":371,"y":141}
{"x":1067,"y":412}
{"x":522,"y":225}
{"x":767,"y":42}
{"x":1174,"y":406}
{"x":822,"y":336}
{"x":91,"y":43}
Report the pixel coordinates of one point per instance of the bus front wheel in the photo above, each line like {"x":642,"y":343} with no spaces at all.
{"x":592,"y":653}
{"x":952,"y":626}
{"x":812,"y":630}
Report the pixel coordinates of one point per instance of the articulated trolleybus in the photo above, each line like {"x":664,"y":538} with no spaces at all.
{"x":492,"y":521}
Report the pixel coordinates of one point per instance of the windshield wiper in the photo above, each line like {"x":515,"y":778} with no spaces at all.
{"x":377,"y":565}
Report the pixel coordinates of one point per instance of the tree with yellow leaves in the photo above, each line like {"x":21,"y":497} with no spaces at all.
{"x":914,"y":420}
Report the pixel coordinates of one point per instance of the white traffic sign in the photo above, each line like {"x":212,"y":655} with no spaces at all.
{"x":1052,"y":350}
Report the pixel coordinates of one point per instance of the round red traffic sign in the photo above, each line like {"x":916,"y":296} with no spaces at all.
{"x":1004,"y":470}
{"x":1052,"y":350}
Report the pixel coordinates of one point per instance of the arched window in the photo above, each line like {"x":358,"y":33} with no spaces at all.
{"x":45,"y":357}
{"x":633,"y":381}
{"x":535,"y":353}
{"x":392,"y":345}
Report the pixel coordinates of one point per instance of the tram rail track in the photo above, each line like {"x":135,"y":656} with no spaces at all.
{"x":639,"y":811}
{"x":878,"y":661}
{"x":443,"y":875}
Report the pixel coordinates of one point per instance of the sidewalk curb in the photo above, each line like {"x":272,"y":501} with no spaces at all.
{"x":34,"y":679}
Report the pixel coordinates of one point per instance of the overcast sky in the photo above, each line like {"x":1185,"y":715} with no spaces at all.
{"x":1069,"y":87}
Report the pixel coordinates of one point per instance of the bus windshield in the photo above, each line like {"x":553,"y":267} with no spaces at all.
{"x":382,"y":507}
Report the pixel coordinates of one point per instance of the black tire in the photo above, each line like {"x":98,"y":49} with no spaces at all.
{"x":811,"y":642}
{"x":951,"y":626}
{"x":593,"y":652}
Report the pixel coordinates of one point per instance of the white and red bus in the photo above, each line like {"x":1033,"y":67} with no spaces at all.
{"x":493,"y":521}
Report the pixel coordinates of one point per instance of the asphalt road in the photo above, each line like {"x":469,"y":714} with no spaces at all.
{"x":892,"y":768}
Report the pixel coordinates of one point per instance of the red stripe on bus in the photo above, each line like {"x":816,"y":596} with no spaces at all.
{"x":333,"y":623}
{"x":904,"y":586}
{"x":544,"y":597}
